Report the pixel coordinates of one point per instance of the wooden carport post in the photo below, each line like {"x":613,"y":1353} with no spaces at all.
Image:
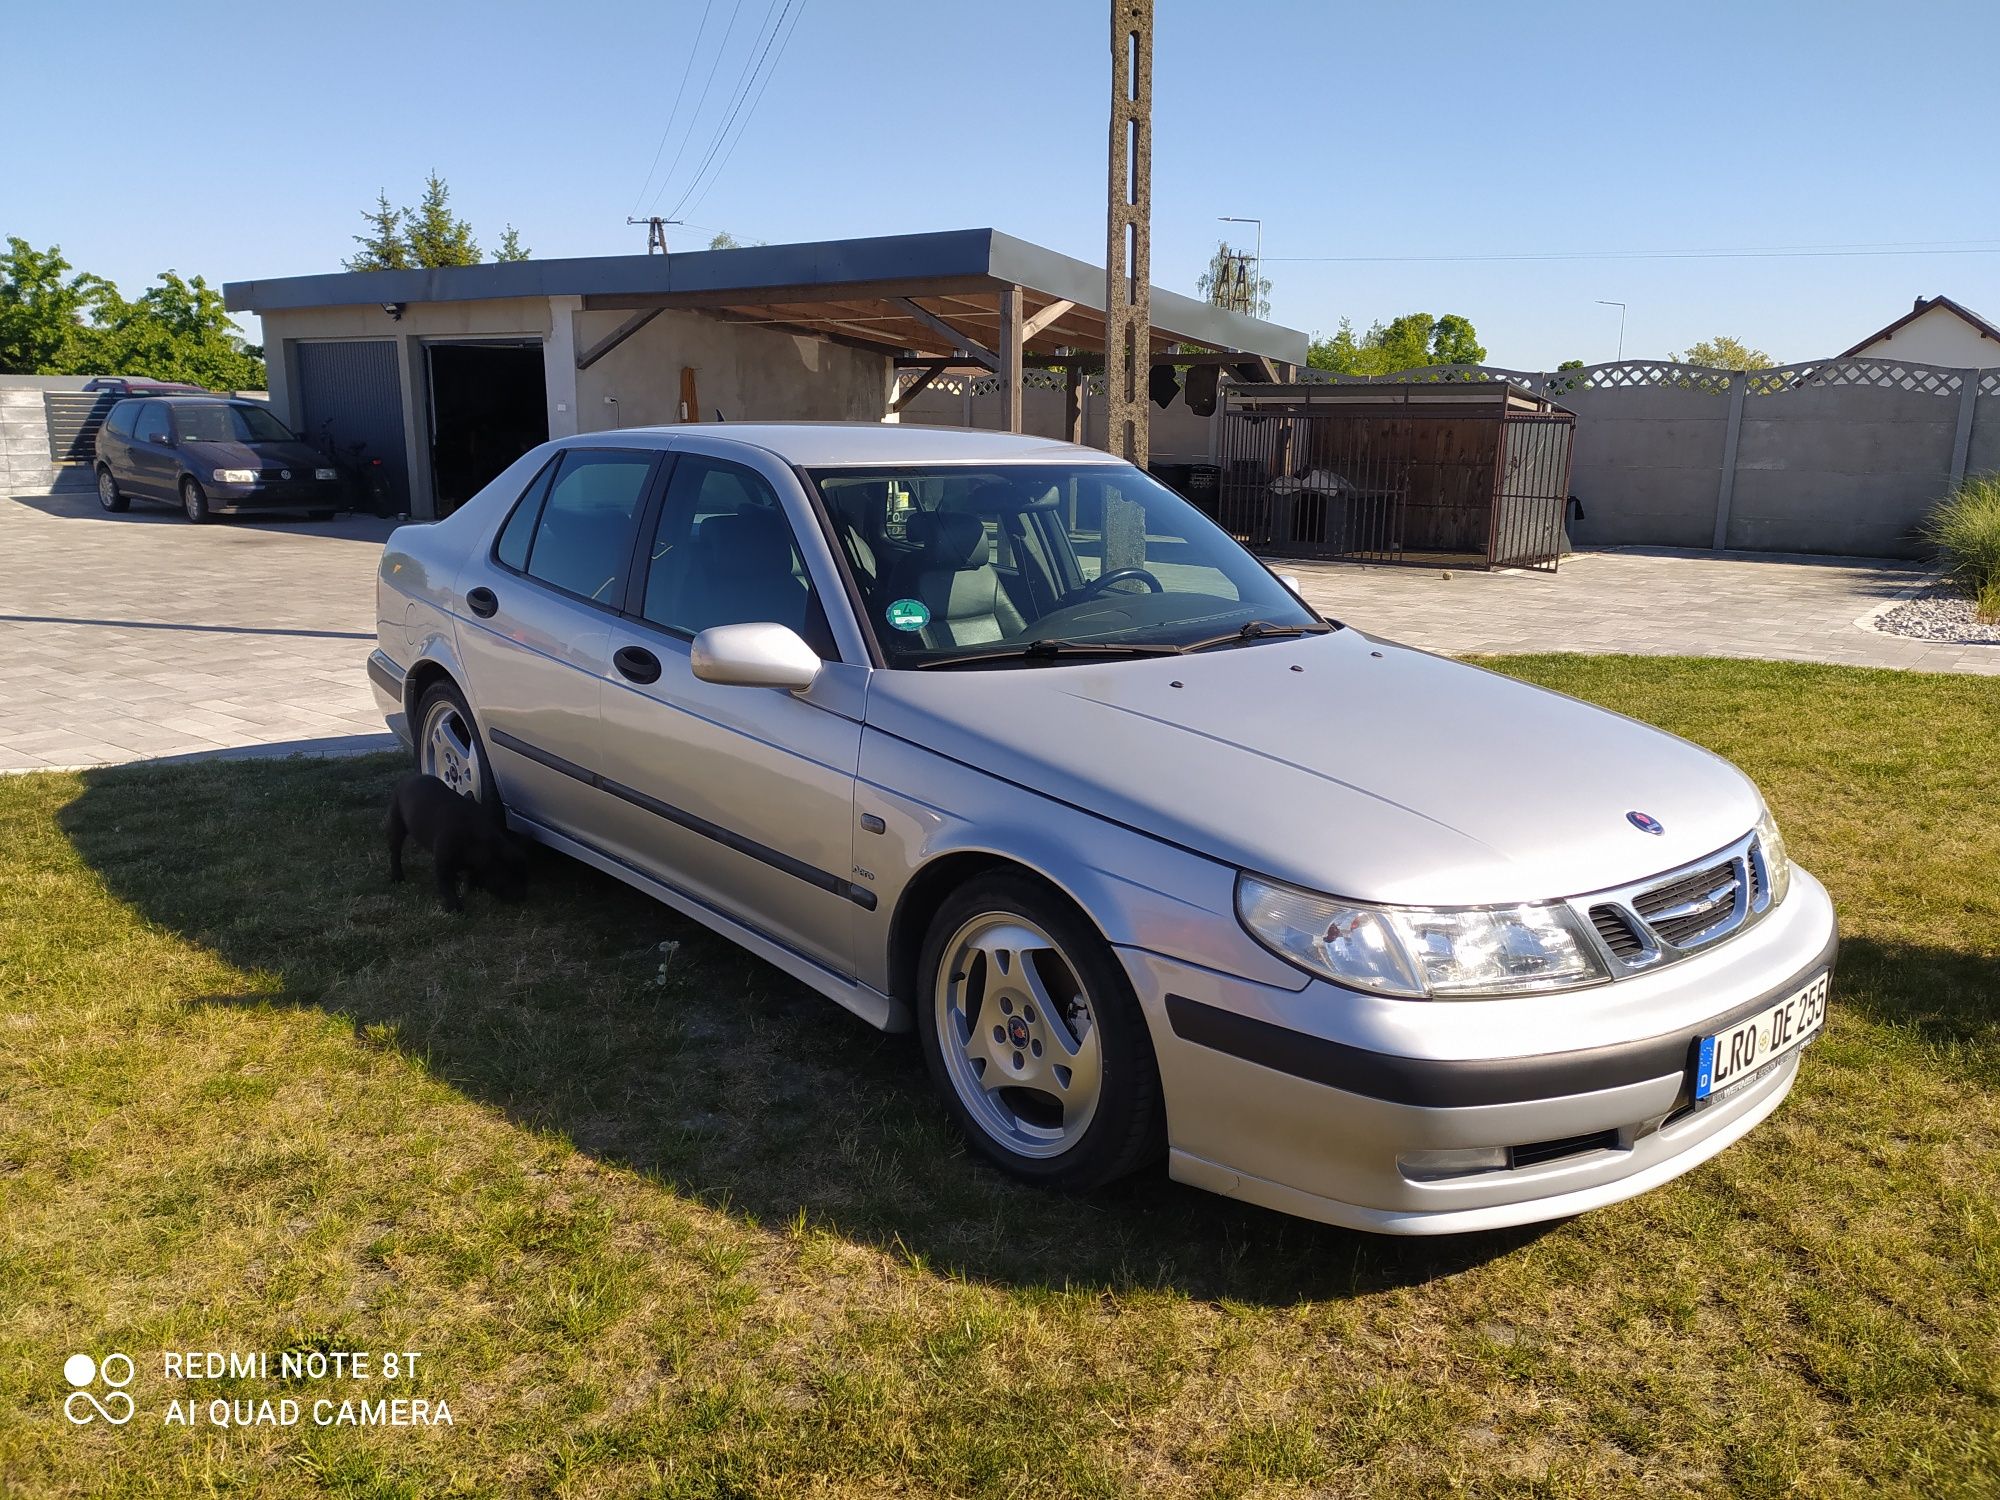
{"x":1010,"y":358}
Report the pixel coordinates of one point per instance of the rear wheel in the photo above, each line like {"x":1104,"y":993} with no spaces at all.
{"x":1034,"y":1036}
{"x":194,"y":502}
{"x":449,"y":746}
{"x":108,"y":494}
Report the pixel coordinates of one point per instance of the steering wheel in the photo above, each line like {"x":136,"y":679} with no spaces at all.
{"x":1117,"y":575}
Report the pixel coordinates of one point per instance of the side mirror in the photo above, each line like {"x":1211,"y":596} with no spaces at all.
{"x":757,"y":655}
{"x":164,"y":439}
{"x":1291,"y":581}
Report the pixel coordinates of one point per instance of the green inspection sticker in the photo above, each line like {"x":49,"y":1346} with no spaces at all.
{"x":908,"y":614}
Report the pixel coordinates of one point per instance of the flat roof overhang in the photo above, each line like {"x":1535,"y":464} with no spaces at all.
{"x":928,"y":295}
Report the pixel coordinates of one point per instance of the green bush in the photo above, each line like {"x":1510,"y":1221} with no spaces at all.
{"x":1966,"y":528}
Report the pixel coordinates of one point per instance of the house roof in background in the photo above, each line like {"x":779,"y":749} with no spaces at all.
{"x":1925,"y":304}
{"x":849,"y":290}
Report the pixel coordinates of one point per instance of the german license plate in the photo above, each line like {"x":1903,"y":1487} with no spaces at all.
{"x":1729,"y":1057}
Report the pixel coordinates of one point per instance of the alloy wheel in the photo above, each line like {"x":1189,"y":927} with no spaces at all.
{"x":1018,"y":1034}
{"x":449,"y":750}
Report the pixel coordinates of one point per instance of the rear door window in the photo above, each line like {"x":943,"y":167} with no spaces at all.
{"x":583,"y":536}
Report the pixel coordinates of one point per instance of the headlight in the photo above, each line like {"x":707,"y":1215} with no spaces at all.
{"x":1777,"y":864}
{"x":1421,"y":952}
{"x":235,"y":476}
{"x":326,"y":474}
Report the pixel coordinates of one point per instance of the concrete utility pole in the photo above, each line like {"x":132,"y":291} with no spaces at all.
{"x":1128,"y":311}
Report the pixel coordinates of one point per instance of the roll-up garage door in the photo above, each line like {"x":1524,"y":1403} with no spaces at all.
{"x":351,"y":389}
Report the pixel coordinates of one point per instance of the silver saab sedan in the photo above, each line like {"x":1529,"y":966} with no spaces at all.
{"x":999,"y":739}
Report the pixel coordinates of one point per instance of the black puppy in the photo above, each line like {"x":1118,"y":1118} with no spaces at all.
{"x":462,"y":838}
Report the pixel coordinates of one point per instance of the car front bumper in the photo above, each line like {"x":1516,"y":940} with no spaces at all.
{"x":1317,"y":1101}
{"x":298,"y":495}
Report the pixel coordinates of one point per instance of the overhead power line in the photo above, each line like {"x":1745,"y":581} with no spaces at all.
{"x":687,"y":134}
{"x":776,"y":63}
{"x":745,"y":83}
{"x":1753,"y":252}
{"x":679,"y":94}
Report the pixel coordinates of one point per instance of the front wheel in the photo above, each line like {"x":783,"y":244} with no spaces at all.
{"x":194,"y":502}
{"x":108,"y":494}
{"x":1032,"y":1033}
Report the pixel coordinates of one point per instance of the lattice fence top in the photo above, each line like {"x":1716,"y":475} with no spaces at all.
{"x":1619,"y":375}
{"x":1660,"y":374}
{"x":989,"y":385}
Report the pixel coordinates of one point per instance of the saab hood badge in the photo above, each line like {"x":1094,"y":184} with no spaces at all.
{"x":1645,"y":822}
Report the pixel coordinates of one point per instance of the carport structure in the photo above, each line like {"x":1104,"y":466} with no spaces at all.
{"x":964,"y":299}
{"x":816,"y":331}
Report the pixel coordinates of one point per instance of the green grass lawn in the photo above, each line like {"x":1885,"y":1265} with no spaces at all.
{"x":704,"y":1234}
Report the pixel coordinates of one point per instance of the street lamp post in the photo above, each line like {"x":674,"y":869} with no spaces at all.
{"x":1257,"y":277}
{"x":1621,"y":323}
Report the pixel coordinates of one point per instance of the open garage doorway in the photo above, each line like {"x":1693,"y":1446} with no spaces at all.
{"x":489,"y":405}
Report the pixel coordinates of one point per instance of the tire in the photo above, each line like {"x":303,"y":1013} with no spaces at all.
{"x":1001,"y":950}
{"x":449,"y":747}
{"x":108,"y":494}
{"x":194,"y":502}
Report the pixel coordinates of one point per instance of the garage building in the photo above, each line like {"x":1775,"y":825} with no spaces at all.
{"x":447,"y":375}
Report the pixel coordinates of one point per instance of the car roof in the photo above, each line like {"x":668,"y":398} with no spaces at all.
{"x":839,"y":444}
{"x":190,"y":399}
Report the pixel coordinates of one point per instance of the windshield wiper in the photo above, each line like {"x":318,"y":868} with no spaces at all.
{"x":1049,"y":650}
{"x":1257,"y":630}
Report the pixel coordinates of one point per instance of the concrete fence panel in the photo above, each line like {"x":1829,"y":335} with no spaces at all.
{"x":1645,"y":465}
{"x":1844,"y":455}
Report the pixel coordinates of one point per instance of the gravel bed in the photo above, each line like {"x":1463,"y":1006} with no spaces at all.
{"x":1939,"y":613}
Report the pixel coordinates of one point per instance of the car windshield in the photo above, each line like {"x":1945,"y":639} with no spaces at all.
{"x":222,"y":423}
{"x":1014,"y":563}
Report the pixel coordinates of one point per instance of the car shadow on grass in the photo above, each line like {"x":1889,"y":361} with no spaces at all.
{"x":689,"y":1061}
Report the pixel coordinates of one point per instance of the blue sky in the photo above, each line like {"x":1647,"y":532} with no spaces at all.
{"x":1354,"y":130}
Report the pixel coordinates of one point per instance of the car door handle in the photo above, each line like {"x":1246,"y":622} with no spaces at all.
{"x":482,"y":603}
{"x":637,"y":663}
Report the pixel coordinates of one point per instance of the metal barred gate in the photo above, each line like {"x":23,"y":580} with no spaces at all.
{"x":1472,"y":474}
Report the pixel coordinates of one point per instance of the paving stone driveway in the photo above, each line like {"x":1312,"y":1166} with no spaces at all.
{"x":1648,"y":601}
{"x":136,"y":637}
{"x":139,"y":636}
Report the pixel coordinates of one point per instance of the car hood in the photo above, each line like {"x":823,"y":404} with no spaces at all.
{"x":297,"y":457}
{"x":1342,"y":763}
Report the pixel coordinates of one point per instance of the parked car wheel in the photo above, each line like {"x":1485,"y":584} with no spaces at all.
{"x":108,"y":494}
{"x":449,"y":746}
{"x":1032,"y":1033}
{"x":194,"y":503}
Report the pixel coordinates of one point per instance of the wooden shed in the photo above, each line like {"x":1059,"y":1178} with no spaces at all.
{"x":1473,"y":473}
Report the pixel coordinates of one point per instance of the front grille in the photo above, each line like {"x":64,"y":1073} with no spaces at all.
{"x":1711,"y":892}
{"x":1546,"y":1151}
{"x":1755,"y":866}
{"x":1616,"y":931}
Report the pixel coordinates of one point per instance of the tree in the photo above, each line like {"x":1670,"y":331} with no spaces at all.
{"x":434,"y":235}
{"x":47,"y":315}
{"x":1406,"y":343}
{"x":1229,"y":283}
{"x":53,"y":323}
{"x":1725,"y":353}
{"x":428,"y":235}
{"x":382,"y":248}
{"x":179,"y":330}
{"x":724,"y":240}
